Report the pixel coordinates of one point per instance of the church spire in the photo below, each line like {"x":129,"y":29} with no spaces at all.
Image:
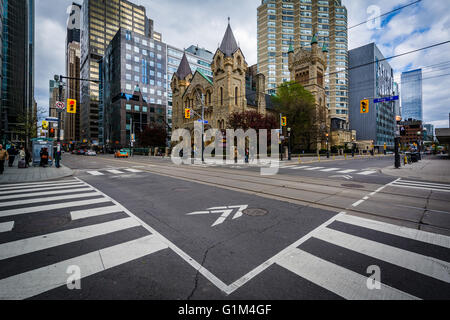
{"x":184,"y":69}
{"x":229,"y":44}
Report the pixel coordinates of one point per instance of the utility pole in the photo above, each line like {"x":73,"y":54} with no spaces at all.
{"x":281,"y":132}
{"x":200,"y":98}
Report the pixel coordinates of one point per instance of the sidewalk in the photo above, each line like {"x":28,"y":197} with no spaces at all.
{"x":33,"y":174}
{"x":434,"y":170}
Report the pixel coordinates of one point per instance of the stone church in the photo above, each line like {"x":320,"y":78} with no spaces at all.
{"x":221,"y":95}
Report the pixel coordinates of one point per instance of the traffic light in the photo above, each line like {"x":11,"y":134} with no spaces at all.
{"x":52,"y":132}
{"x":284,"y":121}
{"x":71,"y":106}
{"x":187,"y":113}
{"x":364,"y":106}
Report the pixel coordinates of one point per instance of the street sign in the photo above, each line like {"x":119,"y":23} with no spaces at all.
{"x":387,"y":99}
{"x":205,"y":122}
{"x":60,"y":105}
{"x":50,"y":119}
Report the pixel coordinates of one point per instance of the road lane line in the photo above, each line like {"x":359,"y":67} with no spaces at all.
{"x":32,"y":283}
{"x":95,"y":173}
{"x":66,"y":187}
{"x":49,"y":199}
{"x":299,"y":168}
{"x":45,"y":193}
{"x":330,"y":169}
{"x":343,"y":282}
{"x":418,"y":235}
{"x":428,"y":266}
{"x":6,"y":226}
{"x":357,"y":203}
{"x":84,"y":214}
{"x":46,"y":241}
{"x":21,"y":211}
{"x":314,"y":168}
{"x":133,"y":170}
{"x":347,"y":171}
{"x":37,"y":185}
{"x":115,"y":171}
{"x":366,"y":173}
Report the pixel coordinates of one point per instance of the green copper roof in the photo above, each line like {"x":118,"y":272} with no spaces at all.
{"x":314,"y":40}
{"x":324,"y":49}
{"x":204,"y":76}
{"x":291,"y":48}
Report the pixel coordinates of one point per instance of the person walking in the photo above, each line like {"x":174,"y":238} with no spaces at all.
{"x":44,"y":157}
{"x":12,"y":155}
{"x":27,"y":157}
{"x":3,"y":156}
{"x":57,"y":156}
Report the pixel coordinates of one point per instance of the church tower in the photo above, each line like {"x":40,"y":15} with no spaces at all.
{"x":228,"y":67}
{"x":180,"y":82}
{"x":308,"y":69}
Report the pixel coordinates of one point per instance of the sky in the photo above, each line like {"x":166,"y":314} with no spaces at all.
{"x":203,"y":23}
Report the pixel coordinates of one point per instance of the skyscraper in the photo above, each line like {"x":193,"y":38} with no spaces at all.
{"x":412,"y":106}
{"x":73,"y":56}
{"x":17,"y":96}
{"x":282,"y":23}
{"x":99,"y":24}
{"x":374,"y":80}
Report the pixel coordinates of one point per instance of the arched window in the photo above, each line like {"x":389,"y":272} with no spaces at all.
{"x":209,"y":97}
{"x":236,"y":96}
{"x":221,"y":96}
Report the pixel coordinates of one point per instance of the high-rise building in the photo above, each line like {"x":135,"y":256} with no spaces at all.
{"x":412,"y":104}
{"x":398,"y":110}
{"x":373,"y":80}
{"x":17,"y":94}
{"x":199,"y":59}
{"x":99,"y":24}
{"x":73,"y":57}
{"x":428,"y":132}
{"x":134,"y":93}
{"x":282,"y":23}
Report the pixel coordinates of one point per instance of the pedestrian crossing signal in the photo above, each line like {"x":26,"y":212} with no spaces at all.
{"x":364,"y":106}
{"x":284,"y":121}
{"x":187,"y":113}
{"x":71,"y":106}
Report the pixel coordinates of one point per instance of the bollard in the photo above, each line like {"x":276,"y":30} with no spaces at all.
{"x":345,"y":156}
{"x":299,"y":159}
{"x":319,"y":157}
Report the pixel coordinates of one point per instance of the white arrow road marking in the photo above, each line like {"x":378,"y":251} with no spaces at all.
{"x":225,"y":211}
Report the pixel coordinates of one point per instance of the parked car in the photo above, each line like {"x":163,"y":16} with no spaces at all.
{"x":122,"y":153}
{"x":90,"y":153}
{"x":81,"y":152}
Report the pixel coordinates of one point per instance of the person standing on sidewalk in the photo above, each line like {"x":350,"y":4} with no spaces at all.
{"x":3,"y":156}
{"x":12,"y":155}
{"x":57,"y":156}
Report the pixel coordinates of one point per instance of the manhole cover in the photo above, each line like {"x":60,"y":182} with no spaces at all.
{"x":255,"y":212}
{"x":356,"y":186}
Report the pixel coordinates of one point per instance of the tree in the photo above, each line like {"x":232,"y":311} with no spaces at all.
{"x":153,"y":135}
{"x":252,"y":120}
{"x":298,"y":105}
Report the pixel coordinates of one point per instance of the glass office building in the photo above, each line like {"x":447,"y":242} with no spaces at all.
{"x":412,"y":102}
{"x":285,"y":22}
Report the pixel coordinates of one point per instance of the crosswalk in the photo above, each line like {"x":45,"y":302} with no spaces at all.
{"x":87,"y":209}
{"x":335,"y":257}
{"x":413,"y":264}
{"x":409,"y":184}
{"x":113,"y":171}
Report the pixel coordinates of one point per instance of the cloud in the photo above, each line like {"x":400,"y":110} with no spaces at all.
{"x":203,"y":23}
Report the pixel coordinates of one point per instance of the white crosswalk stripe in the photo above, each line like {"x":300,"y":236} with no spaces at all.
{"x":314,"y":168}
{"x":330,"y":169}
{"x":335,"y":277}
{"x":421,"y":185}
{"x":43,"y":278}
{"x":115,"y":171}
{"x":95,"y":173}
{"x":367,"y":173}
{"x":102,"y":172}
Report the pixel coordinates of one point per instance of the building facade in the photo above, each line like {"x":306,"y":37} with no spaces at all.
{"x":17,"y":94}
{"x":412,"y":101}
{"x":413,"y":132}
{"x":285,"y":22}
{"x":428,"y":132}
{"x":373,"y":80}
{"x":100,"y":21}
{"x":308,"y":69}
{"x":73,"y":57}
{"x":134,"y":91}
{"x":222,"y":94}
{"x":198,"y":59}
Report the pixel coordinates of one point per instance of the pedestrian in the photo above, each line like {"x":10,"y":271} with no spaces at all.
{"x":3,"y":156}
{"x":57,"y":155}
{"x":12,"y":155}
{"x":22,"y":164}
{"x":27,"y":157}
{"x":44,"y":157}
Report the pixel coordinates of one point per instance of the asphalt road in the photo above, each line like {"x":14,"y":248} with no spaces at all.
{"x":144,"y":228}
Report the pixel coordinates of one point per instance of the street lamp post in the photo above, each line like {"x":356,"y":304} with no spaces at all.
{"x":328,"y":149}
{"x":289,"y":144}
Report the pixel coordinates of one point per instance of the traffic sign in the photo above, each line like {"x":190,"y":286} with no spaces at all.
{"x":60,"y":105}
{"x":205,"y":121}
{"x":50,"y":119}
{"x":45,"y":125}
{"x":387,"y":99}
